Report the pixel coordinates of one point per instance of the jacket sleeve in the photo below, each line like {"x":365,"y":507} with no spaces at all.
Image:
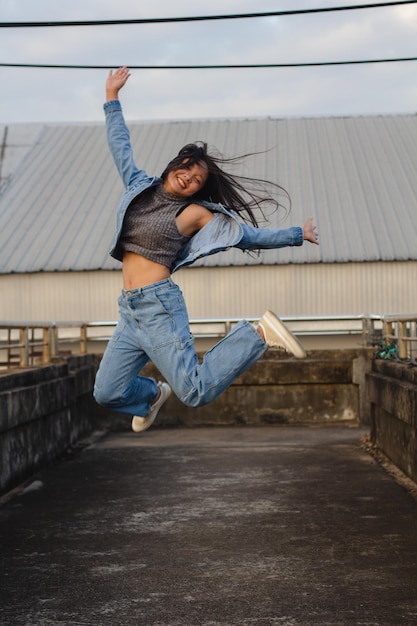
{"x":268,"y":238}
{"x":118,"y":139}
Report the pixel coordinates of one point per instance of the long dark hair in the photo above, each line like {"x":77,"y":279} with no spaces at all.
{"x":241,"y":194}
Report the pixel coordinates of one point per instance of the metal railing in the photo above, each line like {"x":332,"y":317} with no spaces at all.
{"x":401,"y":330}
{"x":24,"y":344}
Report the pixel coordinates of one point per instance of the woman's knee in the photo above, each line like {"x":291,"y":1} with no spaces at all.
{"x":103,"y":397}
{"x":194,"y":399}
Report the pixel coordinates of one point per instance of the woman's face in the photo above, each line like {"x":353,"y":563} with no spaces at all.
{"x":186,"y":181}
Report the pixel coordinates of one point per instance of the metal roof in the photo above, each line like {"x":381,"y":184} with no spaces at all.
{"x":356,"y":175}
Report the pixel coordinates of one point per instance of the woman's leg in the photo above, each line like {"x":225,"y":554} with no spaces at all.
{"x":117,"y":384}
{"x":165,"y":336}
{"x":220,"y":366}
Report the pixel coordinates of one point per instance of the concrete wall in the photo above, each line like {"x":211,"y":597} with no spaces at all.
{"x":42,"y":412}
{"x":275,"y":390}
{"x":45,"y":410}
{"x":392,"y":396}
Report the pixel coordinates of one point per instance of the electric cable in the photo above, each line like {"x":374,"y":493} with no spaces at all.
{"x":207,"y":67}
{"x":200,"y":18}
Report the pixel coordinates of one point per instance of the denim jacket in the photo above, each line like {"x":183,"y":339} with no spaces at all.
{"x":222,"y":232}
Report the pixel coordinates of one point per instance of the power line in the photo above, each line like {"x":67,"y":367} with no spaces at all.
{"x":200,"y":18}
{"x":208,"y":67}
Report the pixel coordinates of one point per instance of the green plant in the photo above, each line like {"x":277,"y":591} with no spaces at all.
{"x":387,"y":350}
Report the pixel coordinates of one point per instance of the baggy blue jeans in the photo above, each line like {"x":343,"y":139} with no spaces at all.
{"x":154,"y":326}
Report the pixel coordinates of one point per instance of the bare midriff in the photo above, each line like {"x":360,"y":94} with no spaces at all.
{"x":140,"y":272}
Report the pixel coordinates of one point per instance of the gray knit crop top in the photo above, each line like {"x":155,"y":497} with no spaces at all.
{"x":149,"y":226}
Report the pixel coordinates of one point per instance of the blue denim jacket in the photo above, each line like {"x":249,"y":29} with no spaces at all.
{"x":222,"y":232}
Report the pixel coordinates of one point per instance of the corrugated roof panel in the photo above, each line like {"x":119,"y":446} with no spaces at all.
{"x":16,"y":140}
{"x":356,"y":175}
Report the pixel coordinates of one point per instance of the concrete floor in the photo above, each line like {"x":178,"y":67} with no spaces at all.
{"x":282,"y":526}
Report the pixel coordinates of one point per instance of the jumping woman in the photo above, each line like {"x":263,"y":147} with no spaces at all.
{"x":195,"y":208}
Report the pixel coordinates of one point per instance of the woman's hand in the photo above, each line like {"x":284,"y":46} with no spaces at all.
{"x":310,"y":232}
{"x":115,"y":81}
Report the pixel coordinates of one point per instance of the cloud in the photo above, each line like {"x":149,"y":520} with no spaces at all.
{"x":76,"y":95}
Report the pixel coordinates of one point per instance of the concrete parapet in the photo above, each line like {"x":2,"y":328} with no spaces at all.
{"x":42,"y":412}
{"x":275,"y":390}
{"x":392,"y":393}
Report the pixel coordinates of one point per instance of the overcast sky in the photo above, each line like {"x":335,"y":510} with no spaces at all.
{"x":68,"y":95}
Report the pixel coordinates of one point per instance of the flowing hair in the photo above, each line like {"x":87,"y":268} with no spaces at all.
{"x":240,"y":194}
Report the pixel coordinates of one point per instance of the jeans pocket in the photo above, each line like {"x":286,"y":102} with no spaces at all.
{"x":118,"y":331}
{"x":172,"y":314}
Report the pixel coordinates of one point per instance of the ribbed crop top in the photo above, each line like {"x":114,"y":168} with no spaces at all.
{"x":149,"y":226}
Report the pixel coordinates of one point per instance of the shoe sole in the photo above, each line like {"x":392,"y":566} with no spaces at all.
{"x":276,"y":327}
{"x":149,"y":420}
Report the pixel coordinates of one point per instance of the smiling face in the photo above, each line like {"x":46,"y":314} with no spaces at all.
{"x":186,"y":181}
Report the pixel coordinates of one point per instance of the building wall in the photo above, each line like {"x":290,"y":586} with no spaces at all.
{"x":293,"y":290}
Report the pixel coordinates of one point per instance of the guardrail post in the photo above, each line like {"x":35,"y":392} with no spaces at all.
{"x":402,"y":344}
{"x":9,"y":346}
{"x":388,"y":331}
{"x":24,"y":347}
{"x":45,"y":348}
{"x":366,"y":330}
{"x":413,"y":338}
{"x":53,"y":340}
{"x":83,"y":339}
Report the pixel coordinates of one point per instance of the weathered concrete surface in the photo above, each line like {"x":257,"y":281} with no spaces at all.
{"x":244,"y":526}
{"x":392,"y":393}
{"x":277,"y":389}
{"x":42,"y":412}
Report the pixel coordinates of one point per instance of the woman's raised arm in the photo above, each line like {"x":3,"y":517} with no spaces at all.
{"x":115,"y":81}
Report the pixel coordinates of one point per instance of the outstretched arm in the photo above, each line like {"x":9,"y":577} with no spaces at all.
{"x":115,"y":81}
{"x":272,"y":238}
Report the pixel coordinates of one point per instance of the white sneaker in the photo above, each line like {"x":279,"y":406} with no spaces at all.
{"x":278,"y":336}
{"x":140,"y":424}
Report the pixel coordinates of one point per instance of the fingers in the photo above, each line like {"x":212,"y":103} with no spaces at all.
{"x":315,"y":235}
{"x":310,"y":231}
{"x":121,"y":73}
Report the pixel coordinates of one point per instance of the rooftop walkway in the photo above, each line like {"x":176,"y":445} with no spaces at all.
{"x":280,"y":526}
